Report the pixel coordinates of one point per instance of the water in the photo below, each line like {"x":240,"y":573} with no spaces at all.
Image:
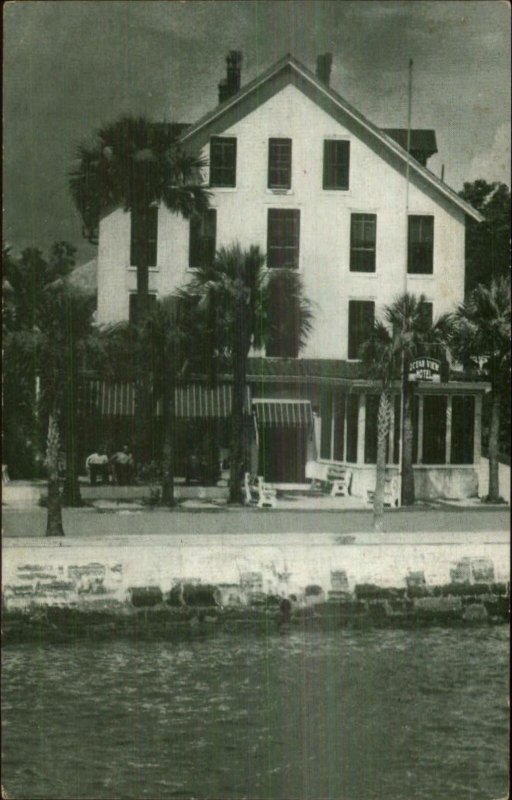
{"x":347,"y":716}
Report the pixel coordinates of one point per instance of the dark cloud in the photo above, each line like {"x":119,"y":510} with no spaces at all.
{"x":71,"y":66}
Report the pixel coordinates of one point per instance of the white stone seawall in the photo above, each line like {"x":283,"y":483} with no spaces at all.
{"x":64,"y":571}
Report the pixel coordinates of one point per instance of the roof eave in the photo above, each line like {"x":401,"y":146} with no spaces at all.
{"x":288,"y":60}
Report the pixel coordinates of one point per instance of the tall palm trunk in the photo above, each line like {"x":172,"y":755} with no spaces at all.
{"x":407,"y":446}
{"x":142,"y":402}
{"x":380,"y":482}
{"x":54,"y":511}
{"x":494,"y":432}
{"x":169,"y":438}
{"x":237,"y":463}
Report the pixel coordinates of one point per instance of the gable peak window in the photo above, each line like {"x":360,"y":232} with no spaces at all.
{"x":336,"y":164}
{"x":223,"y":161}
{"x":363,"y":233}
{"x":420,"y":255}
{"x":279,"y":163}
{"x":202,"y":240}
{"x":283,"y":235}
{"x":144,"y":237}
{"x":361,"y":316}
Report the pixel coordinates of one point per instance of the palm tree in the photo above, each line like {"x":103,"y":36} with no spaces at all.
{"x":482,"y":332}
{"x":137,"y":165}
{"x":27,"y":279}
{"x":381,"y":354}
{"x":407,"y":333}
{"x":237,"y":297}
{"x":406,"y":318}
{"x":53,"y":348}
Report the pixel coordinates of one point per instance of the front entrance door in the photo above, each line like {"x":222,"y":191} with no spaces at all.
{"x":283,"y":453}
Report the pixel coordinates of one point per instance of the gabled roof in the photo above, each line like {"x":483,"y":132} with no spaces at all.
{"x":289,"y":70}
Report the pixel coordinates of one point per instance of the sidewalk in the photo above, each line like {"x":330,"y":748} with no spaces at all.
{"x":26,"y":494}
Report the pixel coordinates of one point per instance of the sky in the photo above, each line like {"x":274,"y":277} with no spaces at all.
{"x":70,"y":67}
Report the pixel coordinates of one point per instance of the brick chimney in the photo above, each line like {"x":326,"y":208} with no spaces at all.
{"x":323,"y":68}
{"x":230,"y":85}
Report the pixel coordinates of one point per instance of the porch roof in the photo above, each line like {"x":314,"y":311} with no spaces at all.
{"x":334,"y":372}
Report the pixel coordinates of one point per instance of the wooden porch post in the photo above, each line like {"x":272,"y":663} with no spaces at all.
{"x":448,"y":447}
{"x":421,"y":400}
{"x":361,"y":425}
{"x":344,"y":454}
{"x":477,"y":431}
{"x":333,"y":408}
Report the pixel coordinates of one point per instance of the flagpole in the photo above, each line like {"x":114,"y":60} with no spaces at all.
{"x":406,"y":249}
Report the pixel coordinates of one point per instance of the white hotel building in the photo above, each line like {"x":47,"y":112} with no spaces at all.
{"x":297,"y":170}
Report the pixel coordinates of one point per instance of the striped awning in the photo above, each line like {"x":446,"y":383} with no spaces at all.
{"x":283,"y":412}
{"x":193,"y":401}
{"x":196,"y":401}
{"x":110,"y":399}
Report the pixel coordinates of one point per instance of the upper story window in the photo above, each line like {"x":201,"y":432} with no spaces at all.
{"x":144,"y":238}
{"x":426,"y":311}
{"x":279,"y":163}
{"x":283,"y":234}
{"x":133,"y":312}
{"x":361,"y":316}
{"x":284,"y":321}
{"x":202,"y":240}
{"x":336,"y":164}
{"x":222,"y":161}
{"x":363,"y":235}
{"x":420,"y":259}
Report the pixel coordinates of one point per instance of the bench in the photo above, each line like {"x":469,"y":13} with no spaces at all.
{"x":258,"y":493}
{"x":391,"y":493}
{"x":330,"y":477}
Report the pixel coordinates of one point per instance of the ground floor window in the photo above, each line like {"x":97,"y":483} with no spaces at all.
{"x":352,"y":425}
{"x":463,"y":426}
{"x":339,"y":427}
{"x":434,"y":429}
{"x":371,"y":428}
{"x":326,"y":403}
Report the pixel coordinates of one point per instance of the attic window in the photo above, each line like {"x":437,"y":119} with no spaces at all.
{"x":279,"y":163}
{"x":336,"y":163}
{"x":222,"y":161}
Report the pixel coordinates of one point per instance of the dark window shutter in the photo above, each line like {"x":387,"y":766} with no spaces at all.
{"x":144,"y":237}
{"x":203,"y":237}
{"x":283,"y":237}
{"x":426,"y":311}
{"x":361,"y":314}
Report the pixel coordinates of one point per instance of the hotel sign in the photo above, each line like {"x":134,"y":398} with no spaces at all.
{"x":425,"y":369}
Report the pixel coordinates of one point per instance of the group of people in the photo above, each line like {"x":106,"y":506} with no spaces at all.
{"x":120,"y":466}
